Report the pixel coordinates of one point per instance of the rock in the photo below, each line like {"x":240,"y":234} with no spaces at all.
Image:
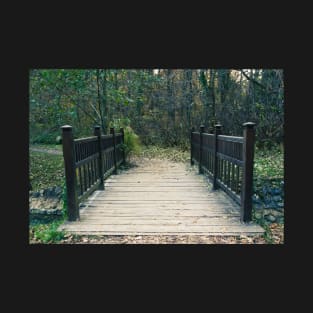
{"x":50,"y":192}
{"x":270,"y":205}
{"x":258,"y":206}
{"x":280,"y":220}
{"x":258,"y":215}
{"x":275,"y":191}
{"x":36,"y":194}
{"x":276,"y":213}
{"x":270,"y":218}
{"x":277,"y":198}
{"x":58,"y":191}
{"x":255,"y":198}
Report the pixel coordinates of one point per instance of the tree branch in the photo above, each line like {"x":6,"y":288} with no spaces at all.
{"x":253,"y":80}
{"x":86,"y":112}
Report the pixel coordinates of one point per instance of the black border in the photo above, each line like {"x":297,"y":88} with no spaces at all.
{"x":178,"y":52}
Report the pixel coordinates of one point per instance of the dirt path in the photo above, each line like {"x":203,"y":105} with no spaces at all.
{"x":48,"y":151}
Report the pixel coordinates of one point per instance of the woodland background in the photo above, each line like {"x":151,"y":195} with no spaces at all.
{"x":159,"y":105}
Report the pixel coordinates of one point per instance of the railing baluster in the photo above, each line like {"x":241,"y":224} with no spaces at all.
{"x":98,"y":148}
{"x":247,"y":175}
{"x":200,"y":149}
{"x":123,"y":142}
{"x":80,"y":181}
{"x":112,"y":131}
{"x":191,"y":146}
{"x":70,"y":174}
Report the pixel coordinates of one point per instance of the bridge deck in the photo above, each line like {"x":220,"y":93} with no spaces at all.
{"x":161,"y":198}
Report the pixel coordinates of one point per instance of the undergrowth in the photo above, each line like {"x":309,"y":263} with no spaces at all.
{"x":45,"y":170}
{"x":46,"y":233}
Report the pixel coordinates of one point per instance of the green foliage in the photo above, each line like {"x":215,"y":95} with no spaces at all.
{"x":131,"y":141}
{"x":47,"y":233}
{"x":45,"y":170}
{"x":269,"y":163}
{"x":44,"y":137}
{"x":159,"y":107}
{"x":118,"y":123}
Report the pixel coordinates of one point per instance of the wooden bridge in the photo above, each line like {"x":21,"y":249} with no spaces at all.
{"x":156,"y":196}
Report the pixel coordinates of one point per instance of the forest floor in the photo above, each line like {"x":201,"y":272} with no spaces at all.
{"x":275,"y":229}
{"x":46,"y":233}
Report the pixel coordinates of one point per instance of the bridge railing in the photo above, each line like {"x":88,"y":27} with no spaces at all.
{"x":88,"y":161}
{"x":228,"y":161}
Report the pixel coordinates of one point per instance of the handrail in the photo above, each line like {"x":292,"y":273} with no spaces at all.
{"x":88,"y":161}
{"x":228,"y":161}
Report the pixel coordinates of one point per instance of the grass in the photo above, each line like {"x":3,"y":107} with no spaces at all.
{"x":46,"y":232}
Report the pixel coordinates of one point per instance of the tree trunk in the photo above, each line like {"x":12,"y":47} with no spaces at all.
{"x":212,"y":88}
{"x":204,"y":83}
{"x":99,"y":99}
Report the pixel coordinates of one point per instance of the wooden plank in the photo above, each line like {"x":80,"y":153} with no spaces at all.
{"x":160,"y":188}
{"x":198,"y":221}
{"x":172,"y":200}
{"x":107,"y":233}
{"x":222,"y":156}
{"x":86,"y":139}
{"x":157,"y":210}
{"x":230,"y":138}
{"x":87,"y":160}
{"x":161,"y":213}
{"x":163,"y":228}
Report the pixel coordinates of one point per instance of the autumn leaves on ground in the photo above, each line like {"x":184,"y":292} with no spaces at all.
{"x":276,"y":232}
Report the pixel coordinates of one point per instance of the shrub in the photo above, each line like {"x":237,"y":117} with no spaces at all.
{"x":48,"y":233}
{"x":131,"y":141}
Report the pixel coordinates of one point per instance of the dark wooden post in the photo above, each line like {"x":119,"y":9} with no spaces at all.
{"x":97,"y":132}
{"x":112,"y":131}
{"x":247,"y":174}
{"x":123,"y":141}
{"x":70,"y":174}
{"x":200,"y":149}
{"x":191,"y":147}
{"x":217,"y":131}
